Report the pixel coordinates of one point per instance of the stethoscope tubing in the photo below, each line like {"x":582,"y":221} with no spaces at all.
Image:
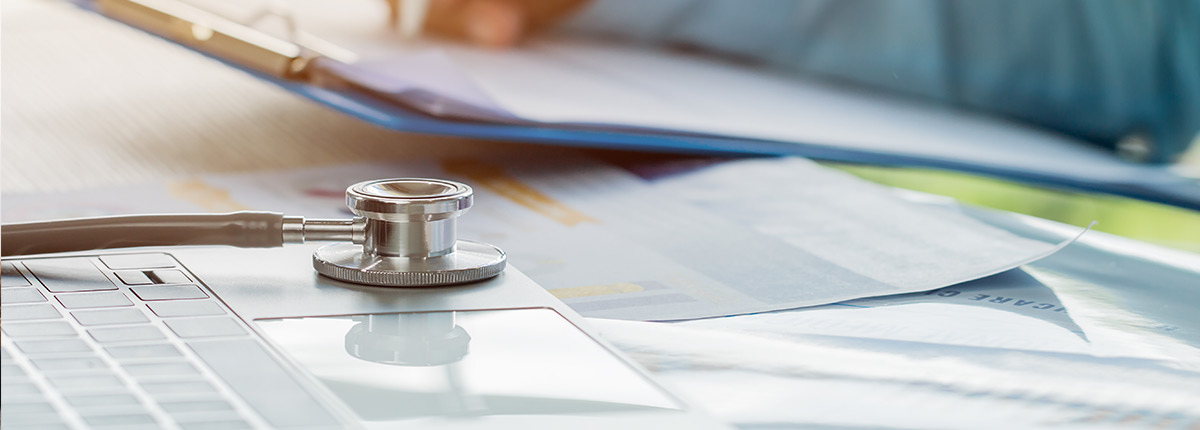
{"x":240,"y":229}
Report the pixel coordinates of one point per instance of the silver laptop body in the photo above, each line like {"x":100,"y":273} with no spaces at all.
{"x":224,"y":338}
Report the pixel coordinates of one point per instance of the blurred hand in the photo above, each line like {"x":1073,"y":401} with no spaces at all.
{"x":495,"y":23}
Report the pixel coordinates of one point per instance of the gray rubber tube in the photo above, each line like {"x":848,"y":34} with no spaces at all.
{"x":241,"y":229}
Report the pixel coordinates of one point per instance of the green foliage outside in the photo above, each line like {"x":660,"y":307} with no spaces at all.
{"x":1151,"y":222}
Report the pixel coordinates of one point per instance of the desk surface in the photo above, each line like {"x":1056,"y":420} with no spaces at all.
{"x":89,"y":103}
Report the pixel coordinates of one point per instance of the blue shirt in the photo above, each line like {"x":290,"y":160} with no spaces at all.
{"x":1099,"y":70}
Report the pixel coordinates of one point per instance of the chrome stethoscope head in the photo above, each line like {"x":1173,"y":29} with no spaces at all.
{"x":408,"y":237}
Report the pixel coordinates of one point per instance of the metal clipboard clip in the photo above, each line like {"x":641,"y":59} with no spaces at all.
{"x":294,"y":55}
{"x":288,"y":57}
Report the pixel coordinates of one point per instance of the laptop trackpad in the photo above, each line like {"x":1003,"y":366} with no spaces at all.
{"x":401,"y":366}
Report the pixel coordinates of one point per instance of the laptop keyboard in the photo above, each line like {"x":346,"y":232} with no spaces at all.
{"x":135,"y":341}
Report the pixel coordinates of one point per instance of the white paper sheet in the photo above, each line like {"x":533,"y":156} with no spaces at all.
{"x":572,"y":80}
{"x":1010,"y":311}
{"x":579,"y":80}
{"x":771,"y":381}
{"x":612,"y":244}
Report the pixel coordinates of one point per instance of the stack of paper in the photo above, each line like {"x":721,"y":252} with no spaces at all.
{"x":741,"y":237}
{"x":689,"y":239}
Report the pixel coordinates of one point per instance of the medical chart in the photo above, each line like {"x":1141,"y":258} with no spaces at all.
{"x":576,"y":80}
{"x":731,"y":238}
{"x":819,"y":381}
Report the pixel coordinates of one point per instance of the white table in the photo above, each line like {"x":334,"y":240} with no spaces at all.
{"x":88,"y":102}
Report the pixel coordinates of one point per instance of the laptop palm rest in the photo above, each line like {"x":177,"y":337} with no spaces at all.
{"x":257,"y":339}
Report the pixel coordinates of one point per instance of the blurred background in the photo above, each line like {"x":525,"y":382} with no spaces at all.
{"x":113,"y":106}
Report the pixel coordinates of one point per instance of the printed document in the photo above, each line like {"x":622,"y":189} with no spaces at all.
{"x":644,"y":242}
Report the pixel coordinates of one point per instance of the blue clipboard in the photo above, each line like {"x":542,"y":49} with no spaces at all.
{"x":157,"y":16}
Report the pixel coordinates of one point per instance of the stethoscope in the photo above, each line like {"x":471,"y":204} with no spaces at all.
{"x":404,"y":235}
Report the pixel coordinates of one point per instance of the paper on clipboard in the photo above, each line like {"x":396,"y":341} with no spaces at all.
{"x":575,"y":79}
{"x":590,"y":91}
{"x":572,"y":80}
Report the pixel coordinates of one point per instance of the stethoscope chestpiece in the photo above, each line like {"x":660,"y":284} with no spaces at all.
{"x":409,"y":237}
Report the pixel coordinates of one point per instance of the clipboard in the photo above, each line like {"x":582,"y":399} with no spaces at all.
{"x":288,"y":63}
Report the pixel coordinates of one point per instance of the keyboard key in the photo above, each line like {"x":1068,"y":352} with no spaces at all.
{"x":30,"y":407}
{"x":52,"y":346}
{"x":76,"y":384}
{"x":266,"y":386}
{"x":15,"y":381}
{"x":42,"y":426}
{"x":39,"y":329}
{"x":216,"y":425}
{"x":169,"y":292}
{"x":13,"y":374}
{"x":61,"y":275}
{"x":206,"y":417}
{"x":205,"y":327}
{"x":169,"y":277}
{"x":137,"y":261}
{"x":119,"y":420}
{"x":183,"y":406}
{"x":17,"y":391}
{"x":110,"y":316}
{"x":134,"y":277}
{"x":161,"y":369}
{"x":161,"y":350}
{"x":30,"y":312}
{"x":178,"y":387}
{"x":12,"y":296}
{"x":34,"y":421}
{"x":11,"y":277}
{"x":51,"y":365}
{"x":107,"y":299}
{"x":96,"y":411}
{"x":126,"y":334}
{"x":9,"y":371}
{"x":185,"y":308}
{"x":92,"y":400}
{"x":53,"y":425}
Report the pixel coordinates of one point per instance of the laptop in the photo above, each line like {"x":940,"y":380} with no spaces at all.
{"x":224,"y":338}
